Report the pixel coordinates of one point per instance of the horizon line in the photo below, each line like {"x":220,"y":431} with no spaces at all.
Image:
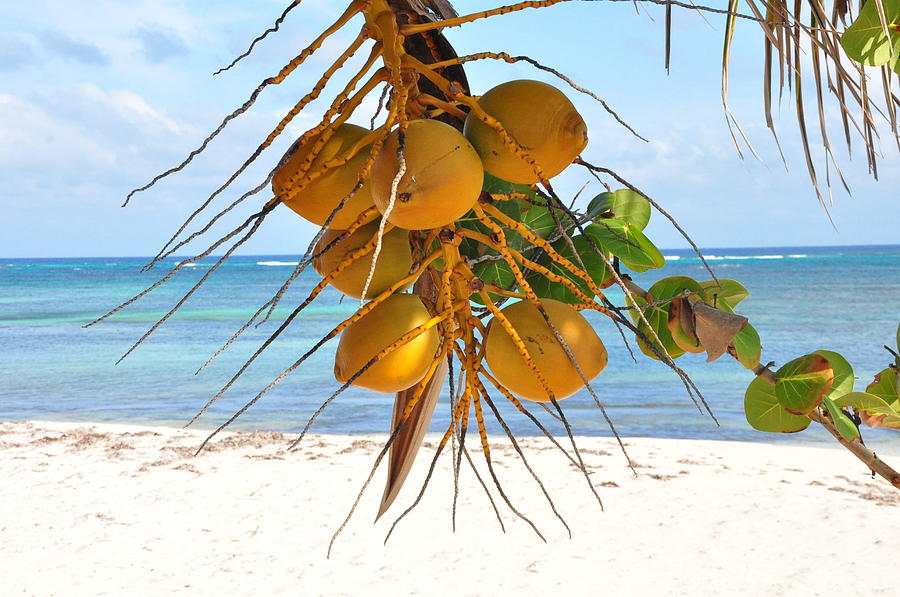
{"x":663,"y":250}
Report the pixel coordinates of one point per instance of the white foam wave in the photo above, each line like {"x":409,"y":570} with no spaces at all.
{"x":276,"y":263}
{"x":672,"y":257}
{"x":798,"y":256}
{"x":741,"y":257}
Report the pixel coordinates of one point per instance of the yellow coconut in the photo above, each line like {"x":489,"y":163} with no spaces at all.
{"x":442,"y":181}
{"x":537,"y":115}
{"x":378,"y":329}
{"x":394,"y":261}
{"x":320,"y":197}
{"x":511,"y":369}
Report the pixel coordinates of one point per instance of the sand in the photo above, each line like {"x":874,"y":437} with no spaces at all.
{"x":120,"y":510}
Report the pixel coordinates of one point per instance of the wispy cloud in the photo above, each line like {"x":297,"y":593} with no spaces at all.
{"x":67,"y":47}
{"x":15,"y":52}
{"x":159,"y":44}
{"x":82,"y":132}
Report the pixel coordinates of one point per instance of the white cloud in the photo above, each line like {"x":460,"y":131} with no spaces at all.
{"x":34,"y":138}
{"x":132,"y":109}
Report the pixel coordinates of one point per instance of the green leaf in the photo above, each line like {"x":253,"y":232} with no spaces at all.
{"x":546,"y":288}
{"x":764,"y":413}
{"x":843,"y":373}
{"x":865,"y":40}
{"x":659,"y":322}
{"x":537,"y":218}
{"x":495,"y":272}
{"x":841,"y":421}
{"x":886,"y":386}
{"x":874,"y":411}
{"x":594,"y":264}
{"x":622,"y":204}
{"x":801,"y":384}
{"x":730,"y":290}
{"x":498,"y":186}
{"x":898,"y":338}
{"x":670,"y":287}
{"x":748,"y":347}
{"x":626,"y":242}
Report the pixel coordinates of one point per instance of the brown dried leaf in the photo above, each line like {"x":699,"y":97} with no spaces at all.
{"x":715,"y":328}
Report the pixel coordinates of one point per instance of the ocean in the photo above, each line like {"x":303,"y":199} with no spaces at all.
{"x":802,"y":299}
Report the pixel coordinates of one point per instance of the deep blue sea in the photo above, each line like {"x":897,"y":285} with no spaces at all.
{"x":802,"y":299}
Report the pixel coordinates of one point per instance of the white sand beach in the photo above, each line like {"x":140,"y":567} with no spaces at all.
{"x":120,"y":510}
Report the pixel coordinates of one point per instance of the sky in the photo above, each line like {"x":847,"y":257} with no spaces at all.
{"x":96,"y":97}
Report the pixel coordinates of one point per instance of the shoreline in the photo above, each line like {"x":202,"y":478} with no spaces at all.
{"x":94,"y":508}
{"x":882,"y":440}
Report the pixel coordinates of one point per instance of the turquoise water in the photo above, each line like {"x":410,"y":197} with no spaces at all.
{"x":802,"y":299}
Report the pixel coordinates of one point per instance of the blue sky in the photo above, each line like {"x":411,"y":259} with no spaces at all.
{"x":97,"y":97}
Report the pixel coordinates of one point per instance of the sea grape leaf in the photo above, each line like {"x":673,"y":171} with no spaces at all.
{"x":658,"y":317}
{"x":495,"y":272}
{"x":865,"y":40}
{"x":511,"y":208}
{"x":801,"y":384}
{"x":716,"y":328}
{"x":843,"y":373}
{"x":546,"y":288}
{"x":593,"y":263}
{"x":841,"y":421}
{"x":621,"y":204}
{"x":536,"y":217}
{"x":764,"y":413}
{"x":498,"y":186}
{"x":748,"y":347}
{"x":539,"y":220}
{"x":886,"y":386}
{"x":472,"y":249}
{"x":671,"y":287}
{"x":898,"y":337}
{"x":730,"y":290}
{"x":873,"y":411}
{"x":627,"y":242}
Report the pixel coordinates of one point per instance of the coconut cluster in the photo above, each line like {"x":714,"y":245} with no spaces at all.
{"x":427,"y":178}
